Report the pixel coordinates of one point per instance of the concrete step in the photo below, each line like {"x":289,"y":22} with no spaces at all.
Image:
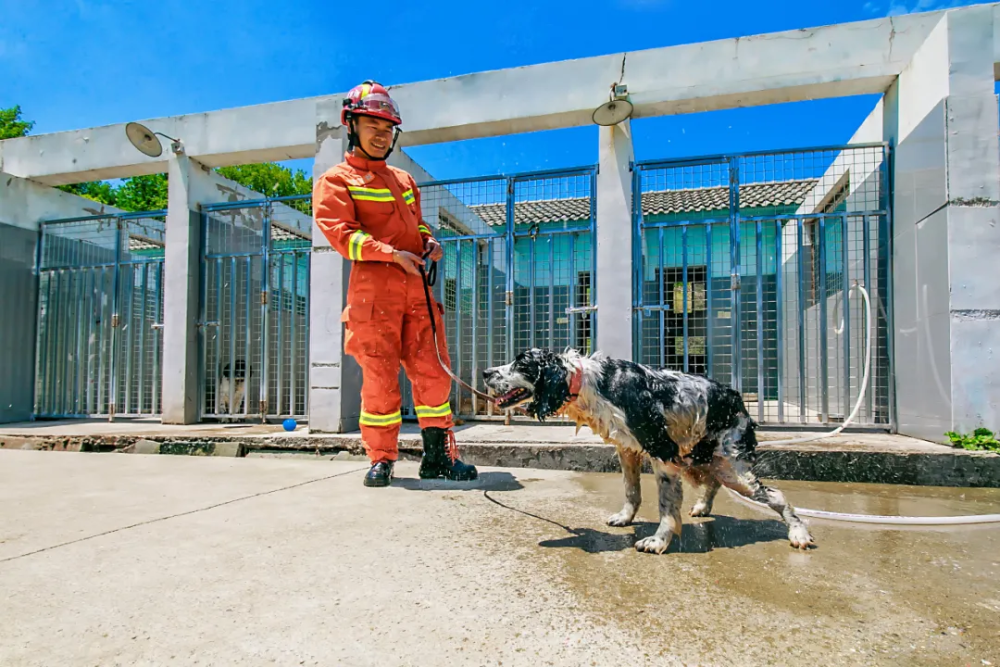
{"x":878,"y":458}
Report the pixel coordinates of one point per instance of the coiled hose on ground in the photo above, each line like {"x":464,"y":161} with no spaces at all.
{"x":865,"y":518}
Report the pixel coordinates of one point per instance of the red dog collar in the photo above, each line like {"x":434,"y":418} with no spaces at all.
{"x":575,"y":383}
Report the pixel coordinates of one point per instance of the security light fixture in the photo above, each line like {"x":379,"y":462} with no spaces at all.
{"x":616,"y":109}
{"x":146,"y":142}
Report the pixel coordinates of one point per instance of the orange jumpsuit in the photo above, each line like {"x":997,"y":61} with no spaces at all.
{"x":367,"y":208}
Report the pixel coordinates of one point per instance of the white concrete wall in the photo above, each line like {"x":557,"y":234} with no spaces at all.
{"x":942,"y":117}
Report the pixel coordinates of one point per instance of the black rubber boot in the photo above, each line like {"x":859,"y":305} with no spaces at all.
{"x":380,"y":474}
{"x":437,"y":460}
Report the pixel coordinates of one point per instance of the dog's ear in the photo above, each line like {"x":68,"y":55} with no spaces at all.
{"x":551,"y":390}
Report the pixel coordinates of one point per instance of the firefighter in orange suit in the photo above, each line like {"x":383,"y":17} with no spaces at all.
{"x":370,"y":212}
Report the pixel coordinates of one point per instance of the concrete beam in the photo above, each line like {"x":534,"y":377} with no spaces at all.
{"x":829,"y":61}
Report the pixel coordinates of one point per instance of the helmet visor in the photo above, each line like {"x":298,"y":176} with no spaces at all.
{"x":377,"y":103}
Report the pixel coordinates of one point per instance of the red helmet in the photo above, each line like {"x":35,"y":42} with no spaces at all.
{"x":370,"y":99}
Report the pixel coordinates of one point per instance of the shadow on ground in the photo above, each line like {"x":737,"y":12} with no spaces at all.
{"x":718,"y":532}
{"x":487,"y":481}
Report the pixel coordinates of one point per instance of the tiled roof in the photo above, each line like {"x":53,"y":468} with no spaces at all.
{"x":660,"y":202}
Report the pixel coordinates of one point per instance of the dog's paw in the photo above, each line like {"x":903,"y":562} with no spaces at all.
{"x":621,"y":519}
{"x":701,"y":509}
{"x":800,"y":538}
{"x":652,"y":545}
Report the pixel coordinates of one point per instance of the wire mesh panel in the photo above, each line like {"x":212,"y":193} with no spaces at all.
{"x":553,"y":262}
{"x":779,"y":239}
{"x":290,"y":223}
{"x":255,"y":309}
{"x":802,"y":328}
{"x":232,"y":306}
{"x":138,"y":364}
{"x":686,"y":316}
{"x":99,"y":352}
{"x":469,"y":218}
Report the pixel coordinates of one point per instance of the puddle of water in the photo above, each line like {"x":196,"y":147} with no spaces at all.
{"x":865,"y":596}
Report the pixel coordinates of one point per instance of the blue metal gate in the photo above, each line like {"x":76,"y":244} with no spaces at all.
{"x":100,"y":316}
{"x":518,"y":270}
{"x":255,"y":308}
{"x":743,"y":267}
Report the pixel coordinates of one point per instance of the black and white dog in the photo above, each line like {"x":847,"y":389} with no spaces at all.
{"x":688,"y":425}
{"x":233,"y":377}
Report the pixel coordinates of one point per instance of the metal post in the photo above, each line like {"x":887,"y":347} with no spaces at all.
{"x":157,"y":363}
{"x":247,"y":348}
{"x":531,"y":290}
{"x":293,"y":363}
{"x":144,"y":267}
{"x":78,"y":337}
{"x":490,"y":305}
{"x":800,"y":314}
{"x":112,"y":363}
{"x":759,"y":249}
{"x":866,"y":241}
{"x":684,"y":276}
{"x":305,"y":323}
{"x":571,"y":322}
{"x":592,"y":244}
{"x":824,"y":371}
{"x":662,"y":300}
{"x":89,"y":405}
{"x":280,"y":350}
{"x":886,"y":232}
{"x":265,"y":291}
{"x":457,"y":361}
{"x":102,"y":358}
{"x":232,"y":326}
{"x":709,"y":333}
{"x":552,"y":293}
{"x":476,"y":262}
{"x":734,"y":256}
{"x":509,"y":297}
{"x":846,"y":330}
{"x":779,"y":270}
{"x":638,"y":265}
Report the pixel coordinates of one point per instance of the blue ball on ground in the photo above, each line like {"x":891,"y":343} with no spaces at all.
{"x":289,"y":424}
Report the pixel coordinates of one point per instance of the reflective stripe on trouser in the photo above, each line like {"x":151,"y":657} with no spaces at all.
{"x":388,"y":325}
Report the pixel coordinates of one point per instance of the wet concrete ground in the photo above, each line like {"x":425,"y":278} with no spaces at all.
{"x":130,"y":560}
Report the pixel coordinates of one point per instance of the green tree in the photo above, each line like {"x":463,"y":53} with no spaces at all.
{"x":11,"y":125}
{"x":99,"y":191}
{"x":272,"y":180}
{"x":142,"y":193}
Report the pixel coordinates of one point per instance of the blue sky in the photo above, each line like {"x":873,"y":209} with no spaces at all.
{"x":82,"y":63}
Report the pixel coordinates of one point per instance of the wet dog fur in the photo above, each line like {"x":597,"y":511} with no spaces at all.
{"x":687,"y":425}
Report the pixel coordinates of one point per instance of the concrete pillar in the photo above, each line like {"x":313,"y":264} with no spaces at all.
{"x":334,"y":379}
{"x":614,"y":242}
{"x":181,"y":278}
{"x":941,"y":118}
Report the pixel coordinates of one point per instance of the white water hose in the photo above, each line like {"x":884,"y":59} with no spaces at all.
{"x":865,"y":518}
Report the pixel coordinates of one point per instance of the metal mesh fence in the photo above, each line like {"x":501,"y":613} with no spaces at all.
{"x":747,"y":264}
{"x":255,"y":309}
{"x":517,"y":270}
{"x":99,"y":349}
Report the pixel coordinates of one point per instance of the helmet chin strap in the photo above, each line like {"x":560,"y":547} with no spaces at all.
{"x":353,"y":143}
